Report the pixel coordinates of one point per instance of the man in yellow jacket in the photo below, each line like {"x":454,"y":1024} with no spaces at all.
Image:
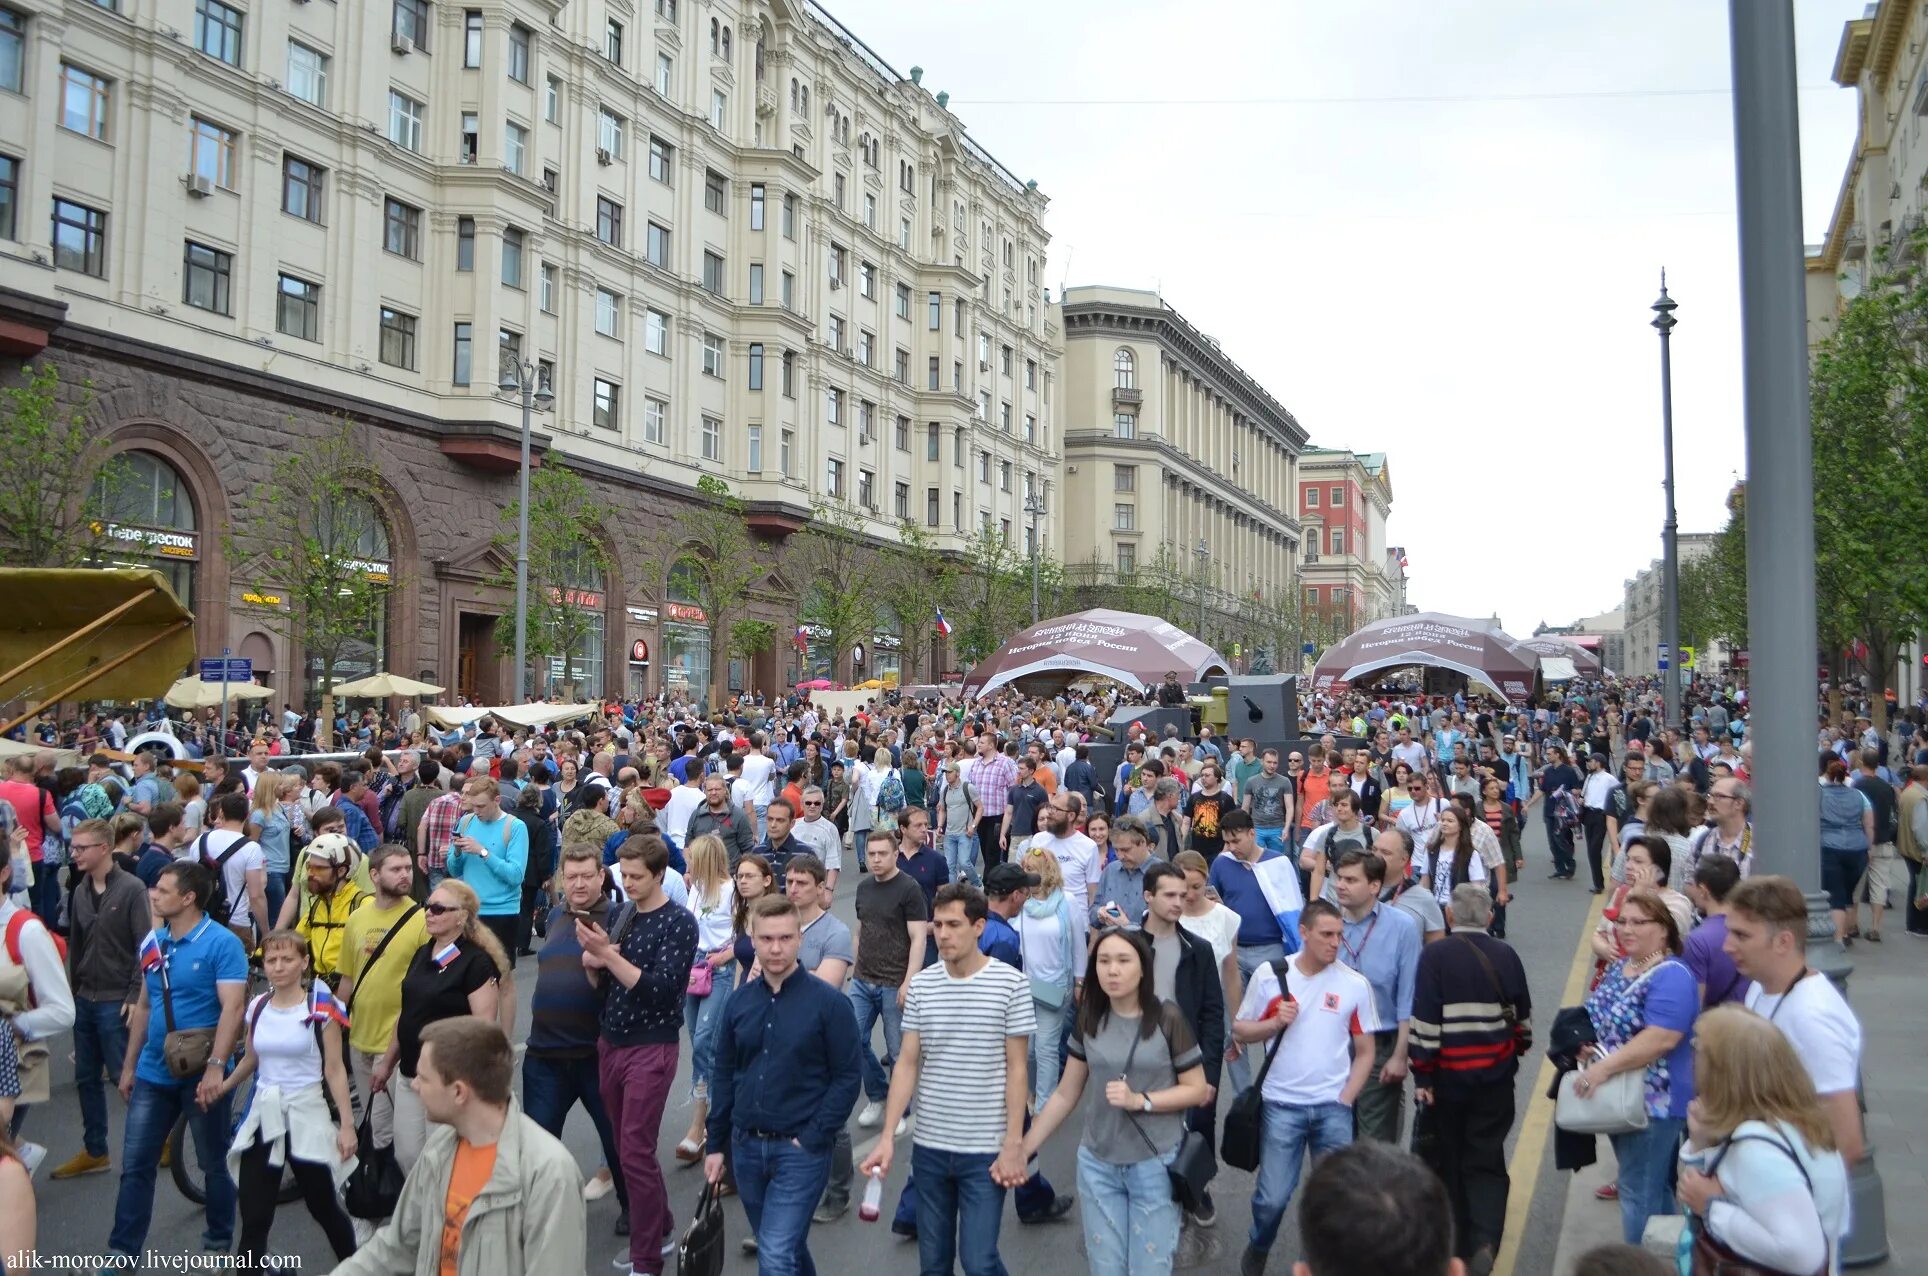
{"x":332,"y":895}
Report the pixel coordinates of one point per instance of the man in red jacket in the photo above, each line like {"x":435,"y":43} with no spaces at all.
{"x":33,"y":807}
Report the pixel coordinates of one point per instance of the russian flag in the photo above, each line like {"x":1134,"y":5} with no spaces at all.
{"x":801,"y":639}
{"x":326,"y":1006}
{"x":150,"y":952}
{"x":445,"y":955}
{"x":943,"y":625}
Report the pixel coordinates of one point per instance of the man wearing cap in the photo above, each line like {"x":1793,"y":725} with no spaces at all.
{"x":1004,"y":888}
{"x":332,"y":896}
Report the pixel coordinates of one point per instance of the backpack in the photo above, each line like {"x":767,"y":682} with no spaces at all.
{"x":261,"y":1004}
{"x":16,"y":924}
{"x":391,"y":809}
{"x":890,"y":794}
{"x":220,"y":907}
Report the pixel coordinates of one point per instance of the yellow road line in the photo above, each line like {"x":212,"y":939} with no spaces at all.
{"x":1536,"y":1130}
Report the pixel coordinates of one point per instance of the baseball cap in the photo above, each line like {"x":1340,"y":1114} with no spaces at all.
{"x":331,"y":848}
{"x":1002,"y":879}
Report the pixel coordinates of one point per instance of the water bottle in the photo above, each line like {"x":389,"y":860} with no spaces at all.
{"x":873,"y":1202}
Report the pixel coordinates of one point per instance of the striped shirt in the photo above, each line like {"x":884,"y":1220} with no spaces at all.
{"x":993,"y":778}
{"x":961,"y":1027}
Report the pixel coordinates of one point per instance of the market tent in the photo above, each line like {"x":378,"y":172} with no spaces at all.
{"x":1479,"y":649}
{"x":1127,"y":647}
{"x":192,"y":693}
{"x":1552,"y":646}
{"x":380,"y":686}
{"x":538,"y":714}
{"x":17,"y":748}
{"x":80,"y":633}
{"x":1557,"y":669}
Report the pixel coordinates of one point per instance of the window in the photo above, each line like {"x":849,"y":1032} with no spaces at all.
{"x":1127,"y":559}
{"x":301,"y":187}
{"x":512,"y":244}
{"x":13,"y":51}
{"x":404,"y":121}
{"x":217,"y":31}
{"x":83,"y":102}
{"x":9,"y":197}
{"x":789,"y":374}
{"x":833,"y":480}
{"x":1030,"y":374}
{"x":756,"y":206}
{"x":902,"y":302}
{"x":609,"y":221}
{"x":713,"y":273}
{"x":837,"y":190}
{"x":984,"y":467}
{"x":471,"y":123}
{"x":712,"y":439}
{"x":1124,"y":478}
{"x":756,"y":365}
{"x":666,"y":9}
{"x":1004,"y":360}
{"x":864,"y":343}
{"x":789,"y":216}
{"x":935,"y":371}
{"x":609,"y":308}
{"x":1338,"y":540}
{"x":957,"y":448}
{"x":902,"y":371}
{"x":903,"y":233}
{"x":957,"y":510}
{"x":402,"y":230}
{"x":665,"y":74}
{"x":656,"y":332}
{"x":933,"y":442}
{"x":411,"y":22}
{"x":834,"y":333}
{"x":755,"y":436}
{"x":607,"y":410}
{"x":80,"y":238}
{"x":1124,"y":370}
{"x":472,"y":38}
{"x":465,"y":243}
{"x":719,"y":108}
{"x":864,"y":410}
{"x":1030,"y":428}
{"x":902,"y":505}
{"x":609,"y":133}
{"x":1338,"y":497}
{"x":936,"y":300}
{"x":520,"y":38}
{"x":867,"y":281}
{"x":984,"y":405}
{"x":297,"y":311}
{"x":1003,"y":476}
{"x":552,"y":100}
{"x":307,"y":74}
{"x":656,"y":246}
{"x":1124,"y":518}
{"x":931,"y":507}
{"x":836,"y":263}
{"x":546,"y":288}
{"x":398,"y":339}
{"x":1312,"y":498}
{"x":464,"y":354}
{"x":712,"y":355}
{"x":870,"y":210}
{"x":786,"y":454}
{"x":983,"y":349}
{"x":515,"y":148}
{"x":613,"y":41}
{"x":1124,"y":425}
{"x":756,"y":283}
{"x":208,"y":272}
{"x":866,"y":489}
{"x":655,"y":419}
{"x":833,"y":406}
{"x":1004,"y":417}
{"x":715,"y":191}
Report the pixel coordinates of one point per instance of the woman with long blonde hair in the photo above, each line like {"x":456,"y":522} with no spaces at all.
{"x":1049,"y":940}
{"x":1760,"y":1175}
{"x":712,"y":901}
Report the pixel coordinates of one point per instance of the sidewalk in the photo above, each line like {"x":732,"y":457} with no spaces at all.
{"x":1890,"y":996}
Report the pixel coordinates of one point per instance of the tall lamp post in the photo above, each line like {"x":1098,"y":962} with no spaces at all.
{"x":524,"y":379}
{"x":1670,"y":530}
{"x":1034,"y":506}
{"x":1203,"y":552}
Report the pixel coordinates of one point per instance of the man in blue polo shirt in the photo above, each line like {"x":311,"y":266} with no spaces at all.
{"x":196,"y":977}
{"x":1261,"y":939}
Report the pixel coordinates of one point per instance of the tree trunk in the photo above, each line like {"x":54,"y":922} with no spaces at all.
{"x":325,"y":733}
{"x":1881,"y":672}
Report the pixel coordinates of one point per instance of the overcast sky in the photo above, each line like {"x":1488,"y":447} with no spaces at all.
{"x":1431,"y":228}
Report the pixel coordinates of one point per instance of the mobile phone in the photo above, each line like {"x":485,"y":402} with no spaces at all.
{"x":582,"y":915}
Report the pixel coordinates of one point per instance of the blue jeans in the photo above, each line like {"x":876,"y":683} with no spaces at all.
{"x":277,"y":891}
{"x":780,"y":1184}
{"x":702,"y":1015}
{"x":100,"y":1046}
{"x":960,"y":852}
{"x":1250,"y":958}
{"x":1130,"y":1219}
{"x":1646,"y":1160}
{"x":958,"y":1212}
{"x":151,"y":1113}
{"x":870,"y":1002}
{"x":1289,"y":1131}
{"x":44,"y":894}
{"x":551,"y":1087}
{"x":1047,"y":1055}
{"x":1271,"y":839}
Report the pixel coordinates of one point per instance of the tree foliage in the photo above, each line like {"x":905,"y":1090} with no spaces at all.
{"x":912,"y":582}
{"x":837,"y":572}
{"x":568,"y":570}
{"x":713,"y":559}
{"x":59,"y":492}
{"x":992,"y":595}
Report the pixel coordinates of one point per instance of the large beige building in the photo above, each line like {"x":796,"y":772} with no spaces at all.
{"x":1169,"y":445}
{"x":736,"y":241}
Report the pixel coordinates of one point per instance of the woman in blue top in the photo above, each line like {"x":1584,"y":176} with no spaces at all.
{"x":275,"y":820}
{"x":1643,"y":1012}
{"x":1847,"y":834}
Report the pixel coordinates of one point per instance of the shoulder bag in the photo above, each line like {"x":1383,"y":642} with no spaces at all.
{"x":348,"y":1004}
{"x":1244,"y":1135}
{"x":1711,"y":1258}
{"x":1192,"y":1167}
{"x":186,"y":1051}
{"x":1617,"y":1105}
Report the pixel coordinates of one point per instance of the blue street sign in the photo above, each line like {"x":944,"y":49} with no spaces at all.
{"x":1309,"y":649}
{"x":1664,"y":654}
{"x":237,"y":669}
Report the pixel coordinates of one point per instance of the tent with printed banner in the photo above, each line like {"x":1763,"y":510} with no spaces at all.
{"x":1124,"y":646}
{"x":1551,"y":647}
{"x":1479,"y":649}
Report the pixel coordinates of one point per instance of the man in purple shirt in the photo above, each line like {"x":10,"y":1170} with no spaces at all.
{"x":1715,"y":877}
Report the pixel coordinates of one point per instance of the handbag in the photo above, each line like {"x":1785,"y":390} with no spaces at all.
{"x":186,"y":1051}
{"x":700,"y":1251}
{"x":1192,"y":1167}
{"x":1617,"y":1105}
{"x":1244,"y":1135}
{"x":1711,"y":1258}
{"x":375,"y":1186}
{"x":702,"y":979}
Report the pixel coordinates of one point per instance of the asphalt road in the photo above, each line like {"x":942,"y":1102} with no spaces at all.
{"x":1544,"y":924}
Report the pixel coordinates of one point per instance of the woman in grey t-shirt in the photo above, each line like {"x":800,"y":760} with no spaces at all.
{"x":1144,"y":1054}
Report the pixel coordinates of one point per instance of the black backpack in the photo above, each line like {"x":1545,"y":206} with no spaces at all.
{"x":220,"y":907}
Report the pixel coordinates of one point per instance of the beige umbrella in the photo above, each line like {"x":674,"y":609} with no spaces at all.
{"x":379,"y":686}
{"x":192,"y":693}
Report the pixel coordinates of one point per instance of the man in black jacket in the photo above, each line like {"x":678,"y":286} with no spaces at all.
{"x":1184,"y":971}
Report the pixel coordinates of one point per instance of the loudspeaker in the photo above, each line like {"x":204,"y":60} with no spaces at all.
{"x":1266,"y":707}
{"x":1153,"y":718}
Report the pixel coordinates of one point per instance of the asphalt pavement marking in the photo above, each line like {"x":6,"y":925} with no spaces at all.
{"x":1536,"y":1131}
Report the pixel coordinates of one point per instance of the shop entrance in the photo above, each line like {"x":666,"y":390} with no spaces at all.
{"x":477,"y":660}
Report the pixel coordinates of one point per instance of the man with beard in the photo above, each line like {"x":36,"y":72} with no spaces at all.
{"x":1077,"y":855}
{"x":1209,"y":804}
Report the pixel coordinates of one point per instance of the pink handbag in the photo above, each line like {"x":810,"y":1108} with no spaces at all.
{"x":702,"y":979}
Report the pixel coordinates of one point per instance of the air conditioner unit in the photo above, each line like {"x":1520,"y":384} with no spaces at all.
{"x":871,"y":506}
{"x":603,"y":156}
{"x":401,"y":44}
{"x":835,"y":283}
{"x":198,"y":186}
{"x":983,"y":365}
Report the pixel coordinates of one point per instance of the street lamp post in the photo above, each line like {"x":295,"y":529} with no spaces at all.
{"x":1034,"y":506}
{"x":1669,"y":530}
{"x":523,"y":379}
{"x":1203,"y":552}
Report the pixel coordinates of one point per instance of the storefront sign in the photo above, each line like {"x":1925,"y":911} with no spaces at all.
{"x":262,"y":600}
{"x":576,"y":598}
{"x":642,"y":615}
{"x":373,"y":570}
{"x":639,"y":652}
{"x":153,"y":540}
{"x":686,"y":611}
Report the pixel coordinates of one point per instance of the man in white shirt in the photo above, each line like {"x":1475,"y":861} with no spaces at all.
{"x":683,"y":802}
{"x":821,"y":836}
{"x":759,"y":781}
{"x":1318,"y":1068}
{"x":1596,"y":814}
{"x":1077,"y":855}
{"x":258,"y":762}
{"x":227,"y":849}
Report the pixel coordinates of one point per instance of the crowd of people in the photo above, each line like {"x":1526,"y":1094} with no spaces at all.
{"x":334,"y":944}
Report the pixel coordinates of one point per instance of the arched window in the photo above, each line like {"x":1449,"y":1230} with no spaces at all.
{"x":715,"y":28}
{"x":1124,"y":369}
{"x":686,"y":635}
{"x":726,"y":44}
{"x":148,"y":520}
{"x":352,"y":533}
{"x":582,"y":576}
{"x":795,"y":90}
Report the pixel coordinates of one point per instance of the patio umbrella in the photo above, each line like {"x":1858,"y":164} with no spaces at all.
{"x":379,"y":686}
{"x":1475,"y":648}
{"x":1125,"y":646}
{"x":816,"y":684}
{"x":192,"y":693}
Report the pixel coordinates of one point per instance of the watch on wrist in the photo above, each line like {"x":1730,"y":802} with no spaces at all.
{"x":1147,"y":1099}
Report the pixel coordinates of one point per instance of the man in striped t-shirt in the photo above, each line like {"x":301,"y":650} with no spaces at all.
{"x":969,"y":1017}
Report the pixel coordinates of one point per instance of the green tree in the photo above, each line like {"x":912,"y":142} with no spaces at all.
{"x":992,"y":593}
{"x":568,"y":570}
{"x":912,"y":581}
{"x":837,"y":570}
{"x":311,"y":525}
{"x":709,"y":555}
{"x":59,"y":492}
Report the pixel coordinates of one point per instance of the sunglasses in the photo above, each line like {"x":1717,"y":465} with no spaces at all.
{"x":436,"y":910}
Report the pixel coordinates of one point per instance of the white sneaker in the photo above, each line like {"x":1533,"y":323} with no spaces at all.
{"x":622,"y":1264}
{"x":903,"y":1123}
{"x":595,"y":1187}
{"x":31,"y":1155}
{"x":364,"y":1231}
{"x":872,"y":1116}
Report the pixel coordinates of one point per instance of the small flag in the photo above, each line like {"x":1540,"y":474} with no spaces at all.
{"x":445,"y":955}
{"x":150,"y":953}
{"x":801,"y":639}
{"x":327,"y":1007}
{"x":943,"y":625}
{"x":1402,"y":560}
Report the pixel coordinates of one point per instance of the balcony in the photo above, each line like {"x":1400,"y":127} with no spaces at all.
{"x":1126,"y":396}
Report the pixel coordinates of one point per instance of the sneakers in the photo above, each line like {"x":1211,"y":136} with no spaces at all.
{"x":83,"y":1162}
{"x":1207,"y":1214}
{"x":597,"y":1186}
{"x":622,"y":1223}
{"x":1252,"y":1261}
{"x":1196,"y":1248}
{"x":749,"y":1247}
{"x":31,"y":1155}
{"x":1607,"y":1192}
{"x":872,"y":1116}
{"x":1059,"y":1207}
{"x":828,"y":1212}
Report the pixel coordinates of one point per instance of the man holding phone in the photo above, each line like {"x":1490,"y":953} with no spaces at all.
{"x":488,"y":852}
{"x":1121,"y":887}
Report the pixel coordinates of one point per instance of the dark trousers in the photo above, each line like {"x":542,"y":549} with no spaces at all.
{"x":1917,"y":918}
{"x":1560,"y":841}
{"x":525,"y":923}
{"x":261,"y":1191}
{"x":1380,"y":1109}
{"x":987,"y":831}
{"x":636,"y":1081}
{"x":1467,"y":1147}
{"x":1595,"y":823}
{"x":551,"y":1087}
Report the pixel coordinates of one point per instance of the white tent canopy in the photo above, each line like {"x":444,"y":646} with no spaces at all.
{"x":192,"y":693}
{"x":538,"y":714}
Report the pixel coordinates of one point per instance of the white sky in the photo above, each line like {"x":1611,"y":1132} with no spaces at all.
{"x":1460,"y":281}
